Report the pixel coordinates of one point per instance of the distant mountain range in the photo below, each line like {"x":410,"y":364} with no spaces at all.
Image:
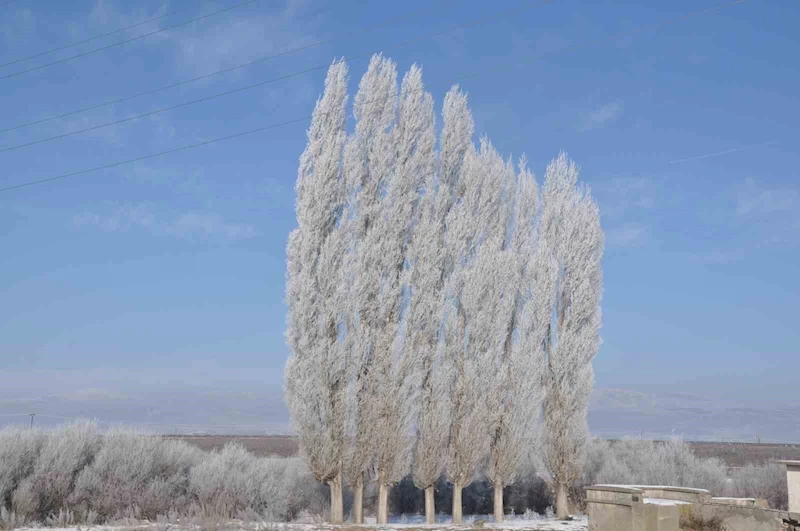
{"x":613,"y":413}
{"x":621,"y":412}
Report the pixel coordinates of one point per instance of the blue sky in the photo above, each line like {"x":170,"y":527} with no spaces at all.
{"x":170,"y":272}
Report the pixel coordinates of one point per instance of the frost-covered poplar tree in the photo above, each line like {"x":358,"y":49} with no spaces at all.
{"x":515,"y":389}
{"x":368,"y":161}
{"x":571,"y":225}
{"x":393,"y":386}
{"x":315,"y":378}
{"x":478,"y":301}
{"x":426,"y":276}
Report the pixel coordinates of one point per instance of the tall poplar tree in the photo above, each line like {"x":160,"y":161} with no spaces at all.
{"x":426,"y":277}
{"x":315,"y":375}
{"x":571,"y":225}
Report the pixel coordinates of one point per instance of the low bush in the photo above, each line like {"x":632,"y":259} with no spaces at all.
{"x":19,"y":450}
{"x":641,"y":462}
{"x":64,"y":453}
{"x":74,"y":474}
{"x":132,"y":469}
{"x":695,"y":522}
{"x":767,"y":481}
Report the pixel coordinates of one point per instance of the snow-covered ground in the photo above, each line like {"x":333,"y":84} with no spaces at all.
{"x":397,"y":524}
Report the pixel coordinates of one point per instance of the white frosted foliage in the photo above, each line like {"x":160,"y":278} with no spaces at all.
{"x":440,"y":302}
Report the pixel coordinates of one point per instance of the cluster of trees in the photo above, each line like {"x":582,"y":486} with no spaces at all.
{"x":442,"y":307}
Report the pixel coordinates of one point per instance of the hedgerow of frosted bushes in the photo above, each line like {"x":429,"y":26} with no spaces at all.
{"x":74,"y":474}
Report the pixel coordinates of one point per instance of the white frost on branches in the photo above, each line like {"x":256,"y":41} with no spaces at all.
{"x":315,"y":372}
{"x":571,"y":225}
{"x":439,"y":302}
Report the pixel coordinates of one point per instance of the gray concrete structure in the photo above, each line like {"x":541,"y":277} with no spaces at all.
{"x":793,"y":482}
{"x":659,"y":508}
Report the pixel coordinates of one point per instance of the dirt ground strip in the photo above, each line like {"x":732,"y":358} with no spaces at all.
{"x":733,"y":454}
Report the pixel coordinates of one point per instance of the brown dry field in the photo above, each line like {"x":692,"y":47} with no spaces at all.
{"x":733,"y":454}
{"x":740,"y":454}
{"x":262,"y":445}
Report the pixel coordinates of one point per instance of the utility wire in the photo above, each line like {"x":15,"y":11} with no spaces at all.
{"x":84,"y":41}
{"x":84,"y":54}
{"x":667,"y":22}
{"x":71,"y":45}
{"x":360,"y":31}
{"x":474,"y":22}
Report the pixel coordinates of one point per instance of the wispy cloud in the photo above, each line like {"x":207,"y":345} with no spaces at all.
{"x":181,"y":179}
{"x":620,"y":196}
{"x":203,"y":224}
{"x":192,"y":225}
{"x":121,"y":218}
{"x":17,"y":27}
{"x":719,"y":256}
{"x":626,"y":235}
{"x":624,"y":203}
{"x":760,"y":216}
{"x":601,"y":116}
{"x":754,"y":198}
{"x":240,"y":38}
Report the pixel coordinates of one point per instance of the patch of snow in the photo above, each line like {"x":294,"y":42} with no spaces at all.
{"x":655,"y":487}
{"x":662,"y":501}
{"x":518,"y":523}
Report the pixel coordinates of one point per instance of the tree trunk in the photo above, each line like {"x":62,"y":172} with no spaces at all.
{"x":430,"y":508}
{"x":337,"y":500}
{"x":562,"y":503}
{"x":498,"y":502}
{"x":457,"y":503}
{"x":383,"y":503}
{"x":358,"y":500}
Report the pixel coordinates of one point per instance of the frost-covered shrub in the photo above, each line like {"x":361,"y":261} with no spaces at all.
{"x":19,"y":450}
{"x":75,"y":473}
{"x":136,"y":469}
{"x":641,"y":462}
{"x":233,"y":480}
{"x":65,"y":452}
{"x":767,"y":481}
{"x":304,"y":492}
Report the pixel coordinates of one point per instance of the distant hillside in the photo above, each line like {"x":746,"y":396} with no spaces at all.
{"x":254,"y":410}
{"x":622,"y":412}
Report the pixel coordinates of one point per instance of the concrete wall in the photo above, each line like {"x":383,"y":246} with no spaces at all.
{"x":742,"y":502}
{"x":615,"y":508}
{"x":623,"y":508}
{"x":675,"y":493}
{"x":793,"y":482}
{"x":740,"y":518}
{"x":661,"y":517}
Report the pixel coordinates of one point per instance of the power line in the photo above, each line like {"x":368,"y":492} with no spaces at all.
{"x":669,"y":21}
{"x":71,"y":57}
{"x":262,"y":59}
{"x":84,"y":41}
{"x":418,"y":38}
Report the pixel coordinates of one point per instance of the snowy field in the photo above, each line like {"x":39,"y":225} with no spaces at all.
{"x":400,"y":524}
